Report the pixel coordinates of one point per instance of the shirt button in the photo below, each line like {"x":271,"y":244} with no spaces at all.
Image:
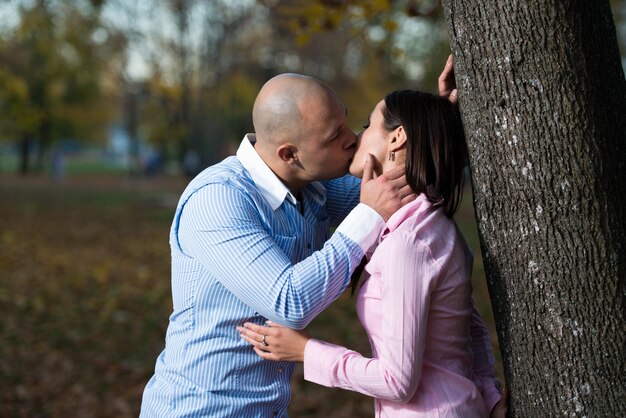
{"x":280,"y":370}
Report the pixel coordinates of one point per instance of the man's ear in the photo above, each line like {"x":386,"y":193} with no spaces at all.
{"x":288,"y":153}
{"x":398,"y":139}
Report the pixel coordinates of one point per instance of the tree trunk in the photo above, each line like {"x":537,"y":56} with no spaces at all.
{"x":131,"y":124}
{"x":24,"y":149}
{"x":543,"y":100}
{"x":44,"y":142}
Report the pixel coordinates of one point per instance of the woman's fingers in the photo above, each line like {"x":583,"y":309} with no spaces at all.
{"x":447,"y":69}
{"x":266,"y":355}
{"x":447,"y":82}
{"x":273,"y":324}
{"x":252,"y":338}
{"x":259,"y":329}
{"x":255,"y":339}
{"x":256,"y":333}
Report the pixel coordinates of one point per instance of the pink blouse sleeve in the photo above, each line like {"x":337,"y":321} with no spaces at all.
{"x":408,"y":271}
{"x":484,"y":361}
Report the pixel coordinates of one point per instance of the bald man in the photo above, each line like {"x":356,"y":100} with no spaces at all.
{"x":250,"y":242}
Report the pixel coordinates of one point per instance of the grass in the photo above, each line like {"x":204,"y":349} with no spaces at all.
{"x":74,"y":164}
{"x":85,"y":297}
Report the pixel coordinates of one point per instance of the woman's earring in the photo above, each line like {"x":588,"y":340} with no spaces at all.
{"x":391,"y":156}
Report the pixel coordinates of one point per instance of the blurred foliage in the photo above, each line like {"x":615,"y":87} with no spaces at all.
{"x":85,"y":300}
{"x":68,"y":69}
{"x":53,"y":65}
{"x":309,"y":17}
{"x":407,"y":37}
{"x":182,"y":74}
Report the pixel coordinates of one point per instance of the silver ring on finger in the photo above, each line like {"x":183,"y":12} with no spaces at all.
{"x":264,"y":342}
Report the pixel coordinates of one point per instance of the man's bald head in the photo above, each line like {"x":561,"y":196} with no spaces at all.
{"x":281,"y":106}
{"x":301,"y":130}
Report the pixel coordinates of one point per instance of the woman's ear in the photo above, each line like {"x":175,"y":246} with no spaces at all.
{"x":397,"y":139}
{"x":288,"y":153}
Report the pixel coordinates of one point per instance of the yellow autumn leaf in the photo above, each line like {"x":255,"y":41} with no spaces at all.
{"x":390,"y":25}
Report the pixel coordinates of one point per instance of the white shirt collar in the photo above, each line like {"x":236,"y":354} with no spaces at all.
{"x":270,"y":186}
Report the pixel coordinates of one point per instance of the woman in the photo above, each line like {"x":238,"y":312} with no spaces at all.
{"x":431,"y":351}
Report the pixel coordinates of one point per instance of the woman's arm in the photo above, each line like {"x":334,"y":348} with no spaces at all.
{"x":484,"y":360}
{"x":408,"y":270}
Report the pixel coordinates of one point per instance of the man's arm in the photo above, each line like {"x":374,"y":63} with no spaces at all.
{"x":219,"y":226}
{"x":342,"y":195}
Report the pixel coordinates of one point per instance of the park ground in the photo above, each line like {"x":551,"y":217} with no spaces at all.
{"x":85,"y":297}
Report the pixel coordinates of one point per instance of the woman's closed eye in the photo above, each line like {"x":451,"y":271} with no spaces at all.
{"x":367,"y":125}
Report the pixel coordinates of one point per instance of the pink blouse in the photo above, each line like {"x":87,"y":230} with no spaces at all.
{"x":431,"y":351}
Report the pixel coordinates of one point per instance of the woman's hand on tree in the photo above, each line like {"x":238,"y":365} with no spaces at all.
{"x":447,"y":82}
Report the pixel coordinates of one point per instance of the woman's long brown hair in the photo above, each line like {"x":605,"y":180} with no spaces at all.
{"x":436,"y":152}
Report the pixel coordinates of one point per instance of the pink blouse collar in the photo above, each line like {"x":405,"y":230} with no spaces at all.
{"x":420,"y":204}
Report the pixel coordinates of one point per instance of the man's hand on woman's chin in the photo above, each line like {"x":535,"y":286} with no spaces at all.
{"x":385,"y":193}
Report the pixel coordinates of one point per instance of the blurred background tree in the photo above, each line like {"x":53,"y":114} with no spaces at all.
{"x":54,"y":65}
{"x":180,"y":76}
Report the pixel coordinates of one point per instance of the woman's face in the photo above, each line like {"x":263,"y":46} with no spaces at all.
{"x":371,"y":140}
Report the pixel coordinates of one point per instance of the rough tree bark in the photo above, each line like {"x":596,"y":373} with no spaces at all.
{"x":543,"y":100}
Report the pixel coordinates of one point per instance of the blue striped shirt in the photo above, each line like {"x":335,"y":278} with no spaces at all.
{"x":242,"y":251}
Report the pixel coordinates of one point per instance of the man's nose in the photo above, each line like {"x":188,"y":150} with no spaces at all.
{"x":351,"y":141}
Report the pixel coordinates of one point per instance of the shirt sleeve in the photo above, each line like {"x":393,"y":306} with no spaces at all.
{"x":363,"y":226}
{"x":407,"y":279}
{"x":484,"y":360}
{"x":220,"y":227}
{"x":342,"y":195}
